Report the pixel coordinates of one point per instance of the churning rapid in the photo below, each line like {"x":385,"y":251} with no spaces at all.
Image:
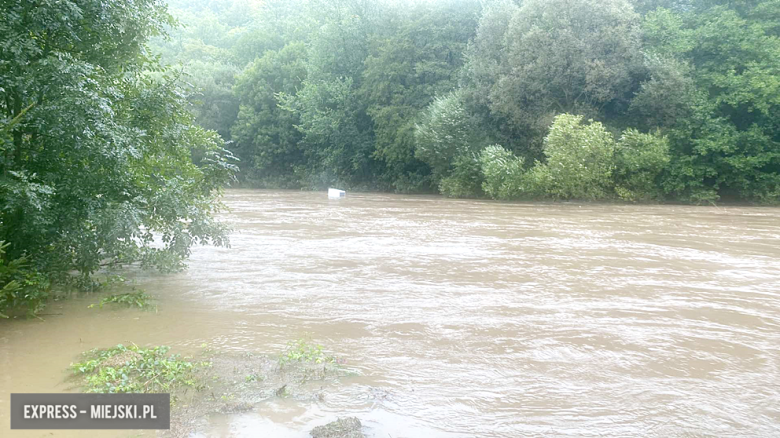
{"x":468,"y":318}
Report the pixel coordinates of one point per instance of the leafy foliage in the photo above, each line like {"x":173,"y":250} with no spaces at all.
{"x":139,"y":299}
{"x":583,"y":161}
{"x":97,"y":143}
{"x":266,"y":135}
{"x":444,"y":134}
{"x":579,"y":160}
{"x":549,"y":57}
{"x":22,"y":287}
{"x":131,"y":369}
{"x":465,"y":180}
{"x":504,"y":173}
{"x":303,"y":350}
{"x":639,"y":161}
{"x":415,"y":56}
{"x":725,"y":141}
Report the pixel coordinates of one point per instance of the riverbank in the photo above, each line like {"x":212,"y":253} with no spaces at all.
{"x":216,"y":382}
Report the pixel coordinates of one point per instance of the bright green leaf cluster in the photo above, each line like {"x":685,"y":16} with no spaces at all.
{"x":133,"y":369}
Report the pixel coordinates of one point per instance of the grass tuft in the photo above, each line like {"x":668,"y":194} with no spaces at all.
{"x":303,"y":351}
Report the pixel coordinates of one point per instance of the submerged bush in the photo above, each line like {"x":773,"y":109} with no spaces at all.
{"x":583,"y":162}
{"x":502,"y":171}
{"x":579,"y":160}
{"x":579,"y":165}
{"x":465,"y":180}
{"x":22,"y":288}
{"x":639,"y":160}
{"x":139,"y":299}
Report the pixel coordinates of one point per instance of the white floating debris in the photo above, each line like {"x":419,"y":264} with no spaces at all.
{"x":336,"y":194}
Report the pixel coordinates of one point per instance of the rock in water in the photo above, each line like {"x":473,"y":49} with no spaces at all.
{"x":349,"y":427}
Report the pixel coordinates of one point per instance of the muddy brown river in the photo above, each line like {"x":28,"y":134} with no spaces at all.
{"x":465,"y":318}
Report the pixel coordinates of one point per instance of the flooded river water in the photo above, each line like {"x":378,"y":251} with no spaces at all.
{"x":466,"y":318}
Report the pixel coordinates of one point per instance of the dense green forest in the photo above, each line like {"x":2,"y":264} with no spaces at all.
{"x":121,"y":120}
{"x":643,"y":100}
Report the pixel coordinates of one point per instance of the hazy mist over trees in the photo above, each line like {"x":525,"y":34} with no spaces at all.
{"x":407,"y":95}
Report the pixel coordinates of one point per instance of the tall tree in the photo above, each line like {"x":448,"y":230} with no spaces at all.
{"x":726,"y":60}
{"x":337,"y":130}
{"x":415,"y":56}
{"x":267,"y":140}
{"x":555,"y":56}
{"x":96,"y":143}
